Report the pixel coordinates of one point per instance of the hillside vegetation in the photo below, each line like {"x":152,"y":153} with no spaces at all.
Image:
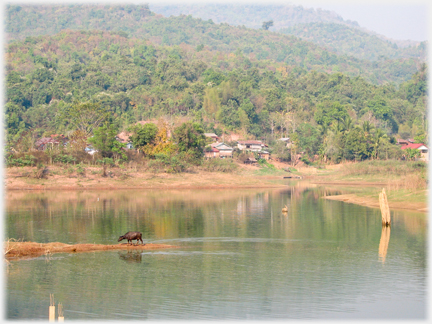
{"x":134,"y":80}
{"x":181,"y":77}
{"x":139,"y":22}
{"x":346,"y":40}
{"x":321,"y":27}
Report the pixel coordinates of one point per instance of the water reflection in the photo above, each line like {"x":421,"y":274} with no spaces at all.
{"x":240,"y":257}
{"x":131,"y":256}
{"x":384,"y":242}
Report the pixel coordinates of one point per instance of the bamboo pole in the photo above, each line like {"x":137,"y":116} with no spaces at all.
{"x":385,"y":211}
{"x":52,"y":309}
{"x":60,"y":313}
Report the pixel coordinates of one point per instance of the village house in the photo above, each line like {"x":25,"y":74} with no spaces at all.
{"x":211,"y":153}
{"x":49,"y":142}
{"x":123,"y":137}
{"x":250,"y":160}
{"x":264,"y":155}
{"x":213,"y":136}
{"x":424,"y":150}
{"x":285,"y":140}
{"x":252,"y":145}
{"x":224,"y":150}
{"x":403,"y":141}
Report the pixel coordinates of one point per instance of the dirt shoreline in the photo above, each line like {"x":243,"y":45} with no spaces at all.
{"x":374,"y":202}
{"x":20,"y":179}
{"x":19,"y":250}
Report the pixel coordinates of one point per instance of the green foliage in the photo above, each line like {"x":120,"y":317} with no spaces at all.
{"x":267,"y":24}
{"x":220,"y":165}
{"x":356,"y":146}
{"x":265,"y":164}
{"x":104,"y":140}
{"x":251,"y":81}
{"x":349,"y":40}
{"x":411,"y":154}
{"x":64,"y":158}
{"x":190,"y":139}
{"x":143,"y":135}
{"x":27,"y":160}
{"x":84,"y":116}
{"x":169,"y":163}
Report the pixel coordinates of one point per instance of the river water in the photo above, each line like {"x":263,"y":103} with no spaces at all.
{"x":240,"y":257}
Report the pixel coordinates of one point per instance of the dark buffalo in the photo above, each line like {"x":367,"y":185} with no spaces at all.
{"x":129,"y":236}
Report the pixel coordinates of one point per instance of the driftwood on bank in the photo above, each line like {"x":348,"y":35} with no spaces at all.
{"x":385,"y":211}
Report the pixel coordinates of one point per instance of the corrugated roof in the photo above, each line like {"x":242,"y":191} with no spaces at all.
{"x":413,"y":146}
{"x":250,"y":142}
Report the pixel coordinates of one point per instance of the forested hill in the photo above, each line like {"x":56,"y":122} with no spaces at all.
{"x":252,"y":15}
{"x":135,"y":80}
{"x":140,"y":22}
{"x":342,"y":39}
{"x":301,"y":22}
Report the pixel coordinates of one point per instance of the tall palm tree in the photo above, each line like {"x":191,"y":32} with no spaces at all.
{"x":378,"y":138}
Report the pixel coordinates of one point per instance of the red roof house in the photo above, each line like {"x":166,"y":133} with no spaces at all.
{"x":424,"y":150}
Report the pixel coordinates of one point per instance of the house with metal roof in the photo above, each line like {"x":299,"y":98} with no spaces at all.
{"x":251,"y":145}
{"x":424,"y":150}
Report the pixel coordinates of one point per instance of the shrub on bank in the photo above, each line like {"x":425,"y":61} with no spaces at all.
{"x":219,"y":165}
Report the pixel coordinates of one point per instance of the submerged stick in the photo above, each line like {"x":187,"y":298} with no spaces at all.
{"x":385,"y":211}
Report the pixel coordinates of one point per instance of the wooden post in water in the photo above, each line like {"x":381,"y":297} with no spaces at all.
{"x":60,"y":313}
{"x":385,"y":211}
{"x":52,"y":309}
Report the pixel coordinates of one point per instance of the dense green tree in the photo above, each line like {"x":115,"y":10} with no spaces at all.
{"x":104,"y":140}
{"x":143,"y":135}
{"x":84,"y":116}
{"x":267,"y":24}
{"x":190,"y":139}
{"x":356,"y":145}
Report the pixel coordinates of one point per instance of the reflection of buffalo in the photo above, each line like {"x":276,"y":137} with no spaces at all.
{"x":129,"y":236}
{"x":131,"y":256}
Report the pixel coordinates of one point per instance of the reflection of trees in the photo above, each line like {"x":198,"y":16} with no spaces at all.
{"x":101,"y":216}
{"x":384,"y":242}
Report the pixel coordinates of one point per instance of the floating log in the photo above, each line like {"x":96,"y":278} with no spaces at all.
{"x":385,"y":211}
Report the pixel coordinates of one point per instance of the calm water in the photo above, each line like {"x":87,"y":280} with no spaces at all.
{"x":239,"y":256}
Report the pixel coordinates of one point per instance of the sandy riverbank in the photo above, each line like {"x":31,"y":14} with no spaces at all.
{"x":22,"y":179}
{"x":32,"y":249}
{"x":373,"y":202}
{"x":58,"y":178}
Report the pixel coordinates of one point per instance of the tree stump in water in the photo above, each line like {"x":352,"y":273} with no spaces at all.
{"x":385,"y":211}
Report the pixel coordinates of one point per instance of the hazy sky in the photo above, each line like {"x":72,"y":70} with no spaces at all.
{"x":398,"y":21}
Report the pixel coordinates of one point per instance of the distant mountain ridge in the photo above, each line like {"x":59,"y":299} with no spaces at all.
{"x":347,"y":40}
{"x":138,"y":21}
{"x":253,"y":15}
{"x":313,"y":25}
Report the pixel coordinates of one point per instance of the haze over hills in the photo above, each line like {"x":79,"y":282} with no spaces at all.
{"x":321,"y":27}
